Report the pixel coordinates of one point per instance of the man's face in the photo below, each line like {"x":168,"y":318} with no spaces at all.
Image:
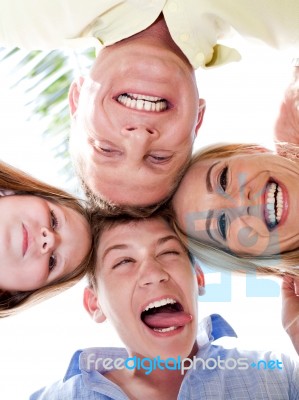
{"x":147,"y":288}
{"x":134,"y":121}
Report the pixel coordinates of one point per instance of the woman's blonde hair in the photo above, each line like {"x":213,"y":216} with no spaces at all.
{"x":23,"y":184}
{"x":277,"y":264}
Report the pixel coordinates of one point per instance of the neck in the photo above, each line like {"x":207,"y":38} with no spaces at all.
{"x":159,"y":35}
{"x":150,"y":380}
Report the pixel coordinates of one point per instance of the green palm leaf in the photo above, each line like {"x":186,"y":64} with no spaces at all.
{"x":45,"y":78}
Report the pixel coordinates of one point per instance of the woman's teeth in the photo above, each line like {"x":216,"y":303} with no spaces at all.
{"x":142,"y":102}
{"x":273,"y":204}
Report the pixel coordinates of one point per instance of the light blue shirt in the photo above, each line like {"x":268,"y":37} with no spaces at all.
{"x":218,"y":374}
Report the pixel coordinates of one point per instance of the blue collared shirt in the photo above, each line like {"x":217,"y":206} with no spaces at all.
{"x":217,"y":373}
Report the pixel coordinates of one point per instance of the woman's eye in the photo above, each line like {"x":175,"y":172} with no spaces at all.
{"x":223,"y":178}
{"x":122,"y":262}
{"x":52,"y":262}
{"x":54,"y":220}
{"x":222,"y":225}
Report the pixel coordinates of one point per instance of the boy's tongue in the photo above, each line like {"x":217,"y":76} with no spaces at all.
{"x":167,"y":319}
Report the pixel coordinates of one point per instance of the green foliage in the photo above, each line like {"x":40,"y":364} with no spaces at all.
{"x":45,"y":78}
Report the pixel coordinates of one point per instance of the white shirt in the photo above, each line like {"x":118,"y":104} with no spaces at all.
{"x":195,"y":25}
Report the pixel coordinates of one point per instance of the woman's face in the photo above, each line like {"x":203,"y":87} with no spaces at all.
{"x":40,"y":241}
{"x":246,"y":204}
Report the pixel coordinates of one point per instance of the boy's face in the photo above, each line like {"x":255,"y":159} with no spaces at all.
{"x":143,"y":265}
{"x":134,"y":122}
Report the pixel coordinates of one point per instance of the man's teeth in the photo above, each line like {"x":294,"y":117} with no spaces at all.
{"x":171,"y":328}
{"x":142,"y":102}
{"x":274,"y":203}
{"x":159,"y":303}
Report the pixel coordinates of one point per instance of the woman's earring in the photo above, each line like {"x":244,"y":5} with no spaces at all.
{"x":201,"y":290}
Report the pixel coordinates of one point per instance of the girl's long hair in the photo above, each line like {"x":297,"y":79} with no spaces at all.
{"x":22,"y":184}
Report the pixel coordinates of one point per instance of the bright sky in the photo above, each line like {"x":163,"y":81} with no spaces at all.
{"x":242,"y":102}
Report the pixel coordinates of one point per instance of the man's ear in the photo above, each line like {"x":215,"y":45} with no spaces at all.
{"x":201,"y":112}
{"x":200,"y":279}
{"x":74,"y":94}
{"x":92,"y":306}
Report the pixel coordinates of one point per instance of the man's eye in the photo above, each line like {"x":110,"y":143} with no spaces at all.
{"x":54,"y":220}
{"x":105,"y":150}
{"x":159,"y":159}
{"x":222,"y":225}
{"x":223,"y":178}
{"x":52,"y":262}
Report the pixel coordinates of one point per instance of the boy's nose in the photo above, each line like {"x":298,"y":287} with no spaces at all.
{"x":152,"y":273}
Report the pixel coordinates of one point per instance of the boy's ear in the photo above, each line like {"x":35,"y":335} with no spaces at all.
{"x":200,"y":279}
{"x":91,"y":305}
{"x":74,"y":94}
{"x":201,"y":112}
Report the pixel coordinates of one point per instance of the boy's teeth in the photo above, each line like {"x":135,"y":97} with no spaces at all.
{"x":273,"y":204}
{"x":142,"y":102}
{"x":171,"y":328}
{"x":159,"y":303}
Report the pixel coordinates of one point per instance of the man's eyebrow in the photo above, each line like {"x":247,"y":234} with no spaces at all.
{"x":208,"y":177}
{"x":114,"y":247}
{"x":208,"y":227}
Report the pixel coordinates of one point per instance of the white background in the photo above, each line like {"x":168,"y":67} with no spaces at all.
{"x":35,"y":348}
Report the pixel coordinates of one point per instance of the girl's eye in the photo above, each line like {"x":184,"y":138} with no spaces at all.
{"x":222,"y":225}
{"x":223,"y":178}
{"x":52,"y":262}
{"x":122,"y":262}
{"x":54,"y":220}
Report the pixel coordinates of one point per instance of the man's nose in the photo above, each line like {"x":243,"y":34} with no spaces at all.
{"x":48,"y":240}
{"x":139,"y":132}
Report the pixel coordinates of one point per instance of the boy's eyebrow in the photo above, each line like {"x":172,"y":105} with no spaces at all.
{"x":167,"y":238}
{"x":114,"y":247}
{"x":125,"y":246}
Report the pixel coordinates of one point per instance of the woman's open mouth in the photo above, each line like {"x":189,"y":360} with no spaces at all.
{"x":143,"y":102}
{"x":275,"y":204}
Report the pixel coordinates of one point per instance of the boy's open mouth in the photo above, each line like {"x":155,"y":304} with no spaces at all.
{"x":165,"y":315}
{"x":143,"y":102}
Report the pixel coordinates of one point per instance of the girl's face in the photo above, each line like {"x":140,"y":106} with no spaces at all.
{"x":40,"y":241}
{"x":246,"y":204}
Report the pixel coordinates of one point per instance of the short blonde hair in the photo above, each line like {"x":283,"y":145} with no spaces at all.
{"x":23,"y":184}
{"x":277,"y":264}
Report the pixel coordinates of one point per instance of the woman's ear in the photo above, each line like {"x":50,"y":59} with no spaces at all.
{"x":92,"y":306}
{"x":200,"y":279}
{"x":74,"y":94}
{"x":201,"y":112}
